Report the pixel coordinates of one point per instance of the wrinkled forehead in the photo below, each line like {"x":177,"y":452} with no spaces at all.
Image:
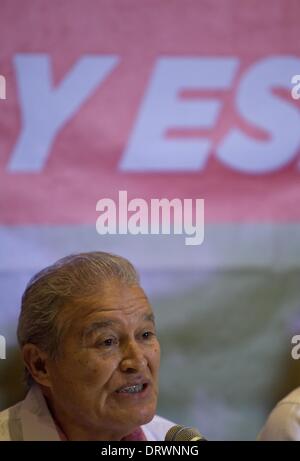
{"x":113,"y":299}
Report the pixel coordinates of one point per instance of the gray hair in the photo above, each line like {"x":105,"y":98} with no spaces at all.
{"x":69,"y":279}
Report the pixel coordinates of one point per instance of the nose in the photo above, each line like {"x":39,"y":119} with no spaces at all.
{"x":133,"y":359}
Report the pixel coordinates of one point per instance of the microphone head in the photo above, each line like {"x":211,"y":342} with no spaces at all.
{"x":183,"y":433}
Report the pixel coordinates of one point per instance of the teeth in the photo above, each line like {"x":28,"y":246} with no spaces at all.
{"x":132,"y":389}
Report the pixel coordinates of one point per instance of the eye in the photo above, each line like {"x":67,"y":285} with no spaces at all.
{"x":148,"y":334}
{"x":106,"y":342}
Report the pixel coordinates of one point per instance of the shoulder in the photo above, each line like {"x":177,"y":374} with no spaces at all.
{"x":157,"y":428}
{"x":283,"y":422}
{"x":10,"y":426}
{"x":4,"y":425}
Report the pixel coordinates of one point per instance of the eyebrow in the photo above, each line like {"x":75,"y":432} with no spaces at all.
{"x":100,"y":325}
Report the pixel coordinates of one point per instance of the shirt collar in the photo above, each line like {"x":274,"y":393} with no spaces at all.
{"x":37,"y":422}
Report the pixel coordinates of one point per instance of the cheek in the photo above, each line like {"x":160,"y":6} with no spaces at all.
{"x":92,"y":369}
{"x":155,"y":357}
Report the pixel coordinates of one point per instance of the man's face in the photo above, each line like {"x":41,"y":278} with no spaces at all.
{"x":106,"y":379}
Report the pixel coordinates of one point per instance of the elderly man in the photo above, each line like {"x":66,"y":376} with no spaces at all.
{"x":88,"y":340}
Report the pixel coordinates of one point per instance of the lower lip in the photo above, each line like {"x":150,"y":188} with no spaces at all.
{"x":135,"y":395}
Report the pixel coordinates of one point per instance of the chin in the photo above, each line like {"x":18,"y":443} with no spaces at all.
{"x":145,"y":416}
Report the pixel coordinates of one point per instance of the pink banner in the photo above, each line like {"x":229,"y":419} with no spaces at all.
{"x":98,"y":102}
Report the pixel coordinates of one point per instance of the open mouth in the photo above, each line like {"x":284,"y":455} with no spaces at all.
{"x":134,"y":389}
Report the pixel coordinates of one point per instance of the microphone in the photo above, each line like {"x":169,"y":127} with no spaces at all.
{"x":183,"y":433}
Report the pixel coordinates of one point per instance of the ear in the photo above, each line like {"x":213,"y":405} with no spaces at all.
{"x":36,"y":362}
